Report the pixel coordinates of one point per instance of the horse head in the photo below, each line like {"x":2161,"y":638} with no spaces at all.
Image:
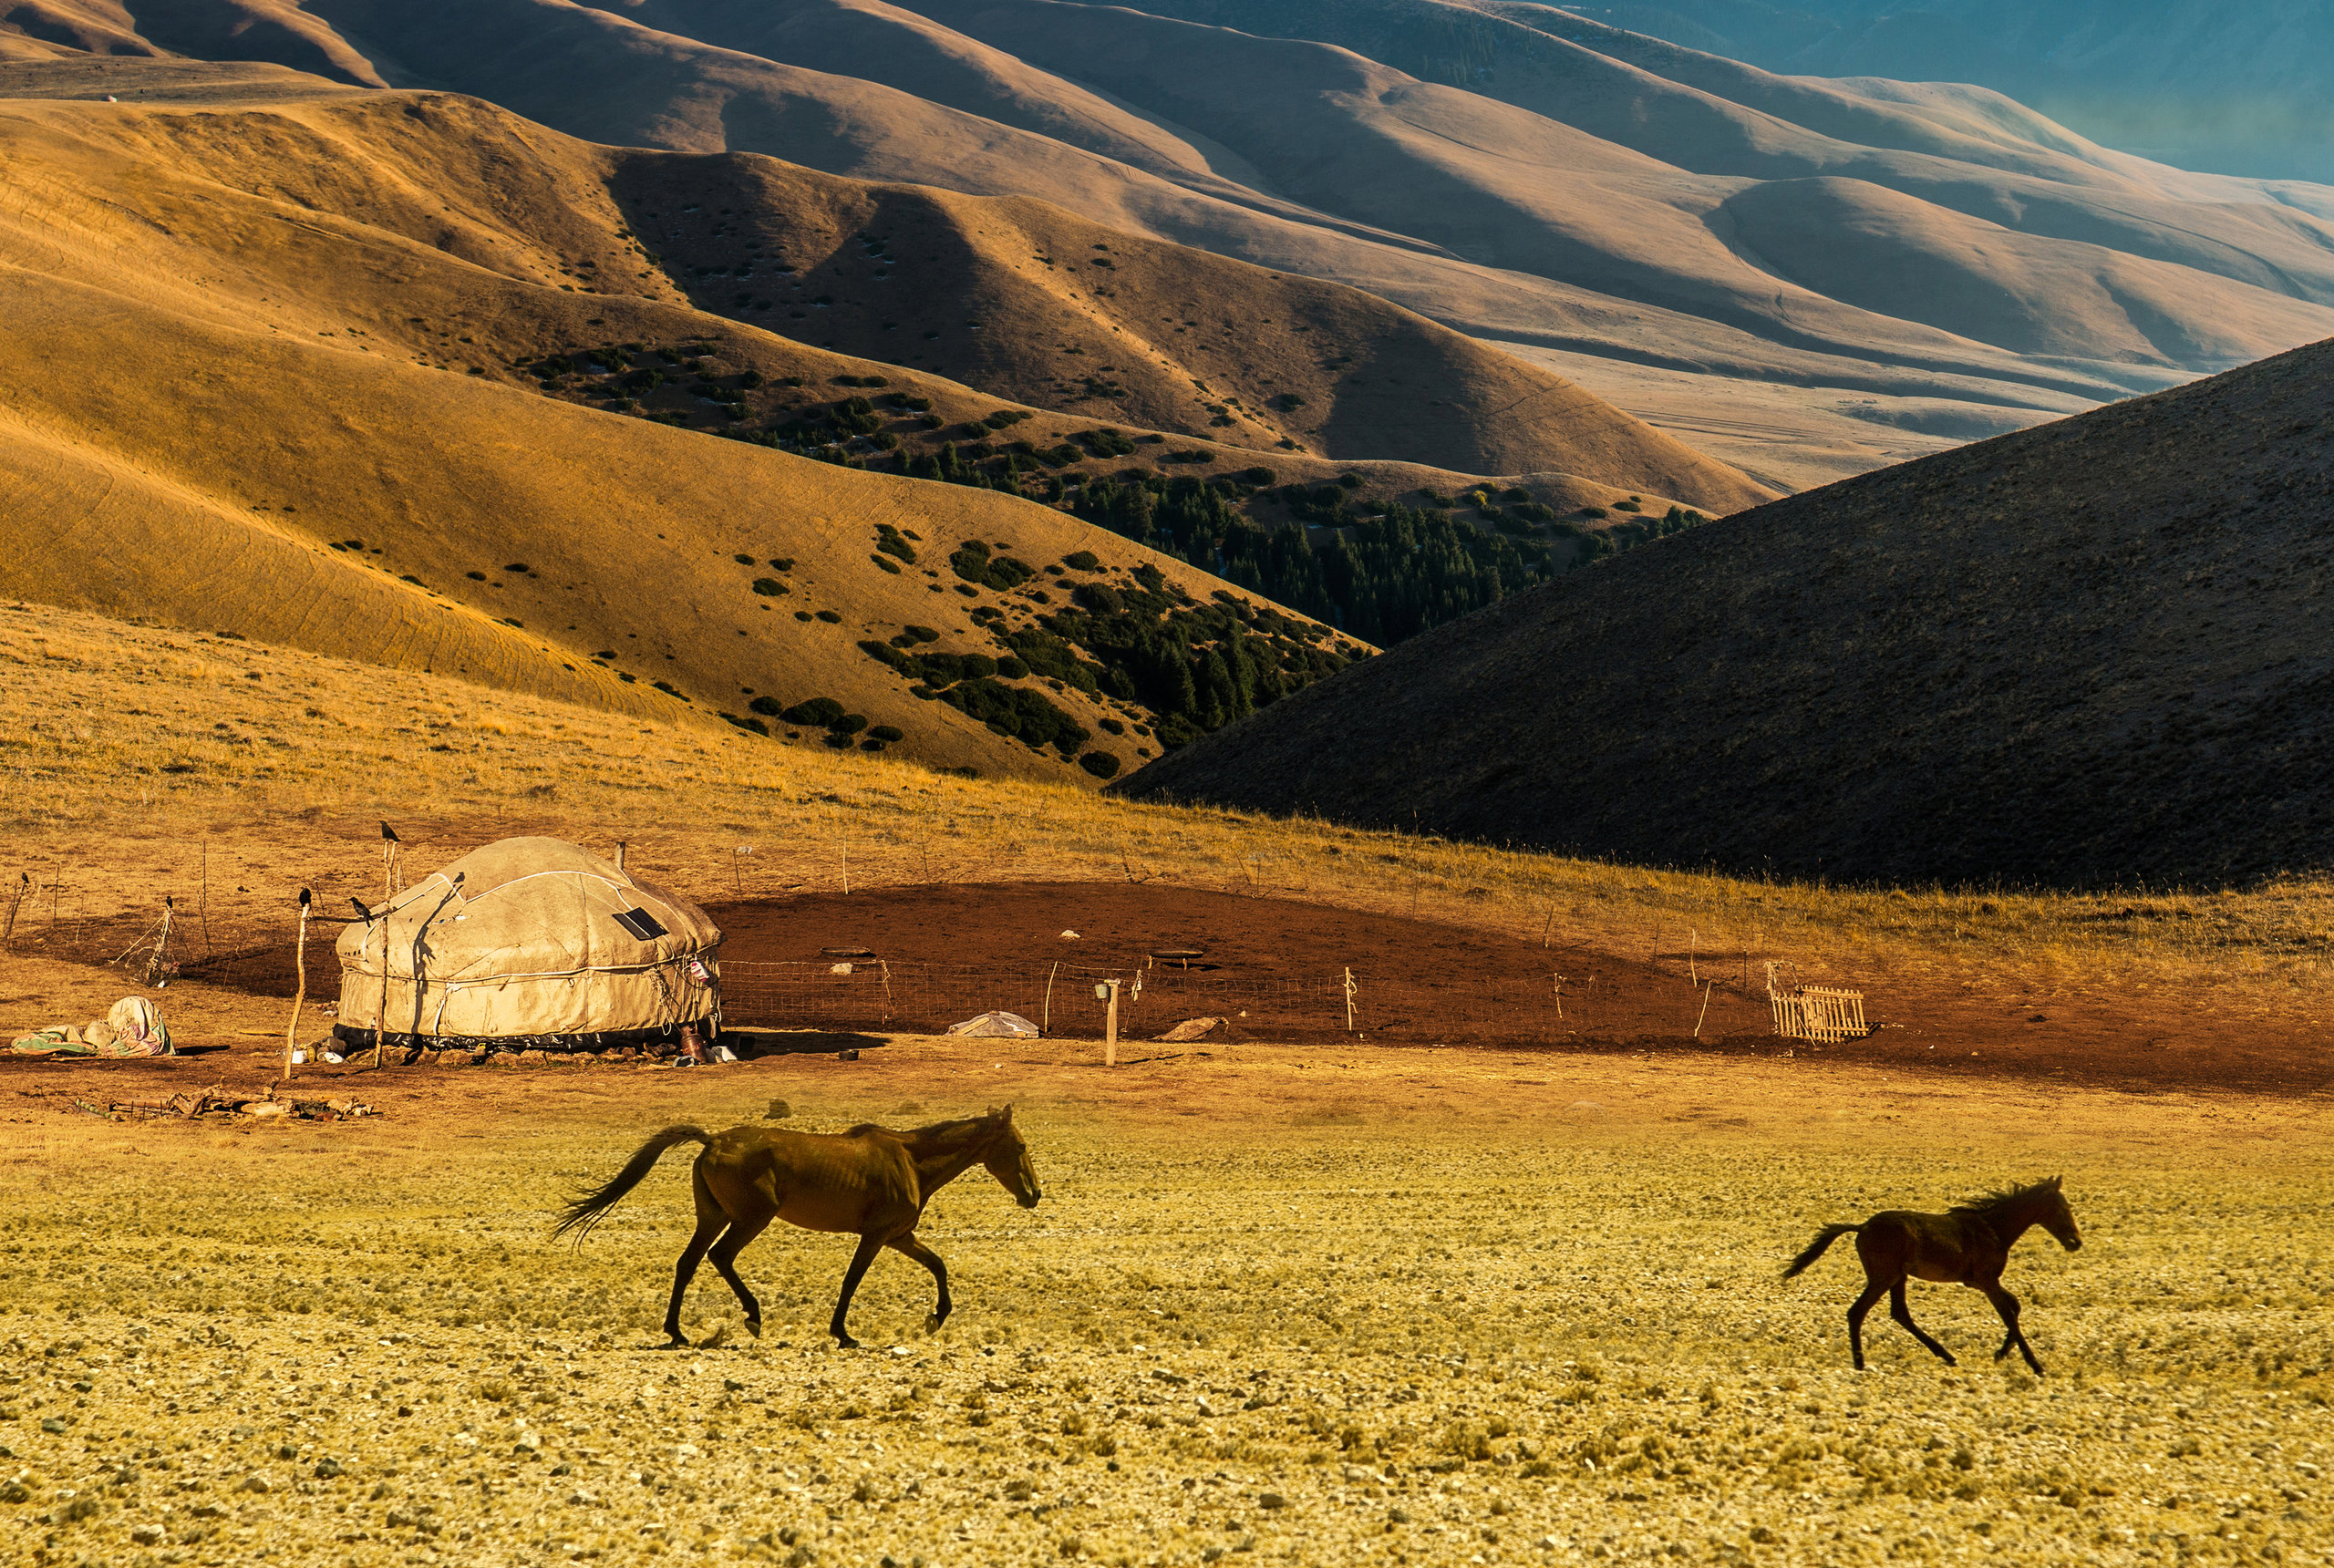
{"x":2056,"y":1217}
{"x":1007,"y":1159}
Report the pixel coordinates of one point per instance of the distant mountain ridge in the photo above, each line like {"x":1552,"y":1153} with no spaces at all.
{"x":2238,"y":90}
{"x":1884,"y":268}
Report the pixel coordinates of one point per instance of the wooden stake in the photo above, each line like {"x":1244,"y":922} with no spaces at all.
{"x":203,"y":908}
{"x":1706,"y":1009}
{"x":843,"y":846}
{"x":1110,"y":1027}
{"x":24,"y":885}
{"x":1691,"y":937}
{"x":1558,"y":981}
{"x":1348,"y":1000}
{"x":300,"y":994}
{"x":620,"y":845}
{"x":1550,"y":925}
{"x":1046,"y":1019}
{"x":158,"y":966}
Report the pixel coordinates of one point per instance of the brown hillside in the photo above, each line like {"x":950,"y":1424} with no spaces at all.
{"x":2086,"y":653}
{"x":237,"y":409}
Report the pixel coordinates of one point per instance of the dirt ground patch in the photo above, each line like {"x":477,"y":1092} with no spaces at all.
{"x":1378,"y":1305}
{"x":1275,"y":966}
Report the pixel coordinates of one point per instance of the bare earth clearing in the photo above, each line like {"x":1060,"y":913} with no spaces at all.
{"x":1421,"y":1305}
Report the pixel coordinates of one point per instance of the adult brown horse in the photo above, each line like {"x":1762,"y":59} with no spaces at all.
{"x":1968,"y":1244}
{"x":871,"y":1180}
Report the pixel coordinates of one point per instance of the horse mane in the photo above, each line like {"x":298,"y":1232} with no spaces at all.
{"x":1988,"y":1204}
{"x":938,"y":1132}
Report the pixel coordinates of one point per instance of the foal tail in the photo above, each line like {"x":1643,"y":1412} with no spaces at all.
{"x":1824,"y":1238}
{"x":580,"y":1215}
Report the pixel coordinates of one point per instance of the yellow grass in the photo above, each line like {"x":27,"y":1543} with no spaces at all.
{"x":1544,"y":1327}
{"x":125,"y":751}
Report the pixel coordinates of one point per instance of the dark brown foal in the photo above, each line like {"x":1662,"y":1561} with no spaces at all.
{"x":1968,"y":1244}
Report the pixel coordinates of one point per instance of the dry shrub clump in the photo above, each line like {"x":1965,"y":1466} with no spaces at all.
{"x":1554,"y":1339}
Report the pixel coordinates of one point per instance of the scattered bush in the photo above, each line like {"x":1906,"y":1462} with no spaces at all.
{"x":769,"y":587}
{"x":520,"y":567}
{"x":1258,"y":476}
{"x":743,"y":560}
{"x":887,"y":733}
{"x":816,"y":712}
{"x":473,"y":576}
{"x":890,"y":566}
{"x":766,"y":705}
{"x":1004,"y":418}
{"x":1101,"y":764}
{"x":1082,"y":560}
{"x":782,"y":563}
{"x":847,"y":724}
{"x":831,"y":617}
{"x":890,"y":543}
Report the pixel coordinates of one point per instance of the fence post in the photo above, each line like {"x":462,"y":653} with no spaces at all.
{"x":158,"y":966}
{"x":300,"y":994}
{"x":1046,"y":1018}
{"x":1349,"y":999}
{"x":1110,"y":1027}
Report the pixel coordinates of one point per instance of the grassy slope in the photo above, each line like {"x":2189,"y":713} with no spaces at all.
{"x":124,"y":746}
{"x":1979,"y":666}
{"x":207,"y":396}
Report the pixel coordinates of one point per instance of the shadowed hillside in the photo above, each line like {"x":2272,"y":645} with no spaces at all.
{"x":2088,"y":654}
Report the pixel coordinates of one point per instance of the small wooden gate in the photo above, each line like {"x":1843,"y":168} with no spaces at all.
{"x":1817,"y":1013}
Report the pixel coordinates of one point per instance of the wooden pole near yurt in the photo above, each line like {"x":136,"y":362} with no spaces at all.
{"x":300,"y":992}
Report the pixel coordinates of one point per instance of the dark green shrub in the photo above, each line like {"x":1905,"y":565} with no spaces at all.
{"x":743,"y":560}
{"x":848,"y":724}
{"x":750,"y":379}
{"x":890,"y":566}
{"x":921,"y":633}
{"x":1101,"y":764}
{"x":767,"y":706}
{"x":1516,"y":493}
{"x":783,"y":562}
{"x":891,"y":543}
{"x":1258,"y":476}
{"x":887,"y":732}
{"x":1082,"y":560}
{"x":473,"y":576}
{"x":769,"y":587}
{"x":1286,"y":401}
{"x":1111,"y":725}
{"x":516,"y":566}
{"x":816,"y":712}
{"x":1106,"y":443}
{"x":831,"y":617}
{"x":1010,"y":669}
{"x":1004,"y":418}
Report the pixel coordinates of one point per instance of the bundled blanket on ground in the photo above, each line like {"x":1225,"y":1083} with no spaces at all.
{"x":132,"y":1028}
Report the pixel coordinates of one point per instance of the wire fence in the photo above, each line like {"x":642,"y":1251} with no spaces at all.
{"x":1421,"y":1004}
{"x":1060,"y":998}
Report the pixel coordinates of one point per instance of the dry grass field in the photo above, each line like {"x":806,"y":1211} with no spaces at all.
{"x":1433,"y":1307}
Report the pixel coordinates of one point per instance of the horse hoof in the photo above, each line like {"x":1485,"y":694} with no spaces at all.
{"x":845,"y":1342}
{"x":754,"y":1326}
{"x":931,"y":1323}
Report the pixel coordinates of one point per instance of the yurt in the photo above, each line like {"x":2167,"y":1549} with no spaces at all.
{"x":529,"y":943}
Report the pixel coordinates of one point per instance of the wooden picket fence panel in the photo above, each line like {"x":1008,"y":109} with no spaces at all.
{"x":1819,"y":1014}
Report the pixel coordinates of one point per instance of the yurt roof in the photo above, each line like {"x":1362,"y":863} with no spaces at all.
{"x":530,"y":906}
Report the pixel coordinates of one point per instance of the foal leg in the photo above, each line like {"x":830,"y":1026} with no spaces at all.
{"x":2007,"y":1305}
{"x":868,"y":1247}
{"x":736,"y":1240}
{"x":1902,"y":1311}
{"x":909,"y":1247}
{"x":1873,"y":1291}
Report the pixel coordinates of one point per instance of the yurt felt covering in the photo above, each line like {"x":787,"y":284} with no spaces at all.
{"x":528,"y":939}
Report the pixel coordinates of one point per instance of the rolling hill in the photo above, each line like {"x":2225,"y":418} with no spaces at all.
{"x":394,"y":375}
{"x":1988,"y":666}
{"x":1874,"y":269}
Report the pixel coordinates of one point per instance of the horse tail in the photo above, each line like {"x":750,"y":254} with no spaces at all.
{"x":1823,"y":1239}
{"x":580,"y":1213}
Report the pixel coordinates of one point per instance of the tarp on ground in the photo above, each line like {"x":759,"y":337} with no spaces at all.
{"x":529,"y":937}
